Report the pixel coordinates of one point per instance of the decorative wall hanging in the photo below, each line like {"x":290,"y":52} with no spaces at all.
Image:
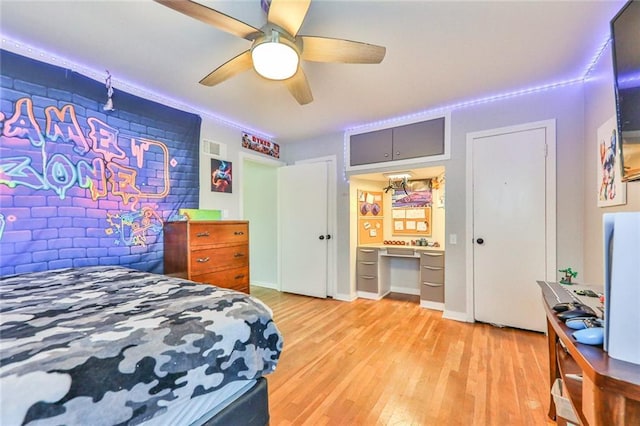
{"x":258,"y":144}
{"x":611,"y":190}
{"x":411,"y":208}
{"x":79,"y":187}
{"x":221,"y":177}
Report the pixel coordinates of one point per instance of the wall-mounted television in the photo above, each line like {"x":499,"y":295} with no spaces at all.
{"x":625,"y":33}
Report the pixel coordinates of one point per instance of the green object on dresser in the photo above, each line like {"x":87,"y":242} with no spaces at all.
{"x":201,"y":214}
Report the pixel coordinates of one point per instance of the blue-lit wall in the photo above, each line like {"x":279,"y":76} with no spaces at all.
{"x":82,"y":186}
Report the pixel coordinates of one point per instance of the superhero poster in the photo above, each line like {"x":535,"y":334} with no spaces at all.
{"x":221,"y":176}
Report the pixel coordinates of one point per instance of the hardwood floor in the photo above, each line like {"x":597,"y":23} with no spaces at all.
{"x":391,"y":362}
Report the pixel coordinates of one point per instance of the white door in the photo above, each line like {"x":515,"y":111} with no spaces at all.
{"x":509,"y":172}
{"x":303,"y":224}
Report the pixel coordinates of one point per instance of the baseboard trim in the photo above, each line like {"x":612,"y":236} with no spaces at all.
{"x":457,"y":316}
{"x":405,"y":290}
{"x":438,"y":306}
{"x":272,"y":286}
{"x":370,"y":295}
{"x":345,"y":297}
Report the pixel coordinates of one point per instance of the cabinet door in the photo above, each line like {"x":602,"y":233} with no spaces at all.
{"x":372,"y":147}
{"x":419,"y":139}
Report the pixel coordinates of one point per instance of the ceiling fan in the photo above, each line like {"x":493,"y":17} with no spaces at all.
{"x":276,"y":48}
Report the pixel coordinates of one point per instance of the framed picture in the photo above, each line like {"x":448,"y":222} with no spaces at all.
{"x":221,"y":177}
{"x":611,"y":190}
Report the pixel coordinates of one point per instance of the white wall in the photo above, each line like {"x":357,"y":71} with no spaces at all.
{"x":599,"y":107}
{"x":565,"y":104}
{"x":232,"y":137}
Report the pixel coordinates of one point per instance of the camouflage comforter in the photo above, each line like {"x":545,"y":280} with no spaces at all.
{"x":111,"y":345}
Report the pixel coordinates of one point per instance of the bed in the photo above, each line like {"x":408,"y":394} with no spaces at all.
{"x":111,"y":345}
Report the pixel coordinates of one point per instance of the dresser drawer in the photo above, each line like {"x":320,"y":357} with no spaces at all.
{"x":207,"y":260}
{"x":367,"y":283}
{"x":432,"y":291}
{"x":432,"y":274}
{"x":201,"y":234}
{"x":367,"y":254}
{"x":432,"y":258}
{"x":236,"y":278}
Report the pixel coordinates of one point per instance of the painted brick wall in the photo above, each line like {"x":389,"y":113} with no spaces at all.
{"x":81,"y":186}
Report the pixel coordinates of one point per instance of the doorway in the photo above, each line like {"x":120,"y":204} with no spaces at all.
{"x":257,"y":194}
{"x":511,"y":221}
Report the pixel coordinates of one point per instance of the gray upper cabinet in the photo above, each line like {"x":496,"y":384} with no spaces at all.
{"x":372,"y":147}
{"x":423,"y":139}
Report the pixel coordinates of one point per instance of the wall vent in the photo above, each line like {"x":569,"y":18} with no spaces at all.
{"x":214,"y":149}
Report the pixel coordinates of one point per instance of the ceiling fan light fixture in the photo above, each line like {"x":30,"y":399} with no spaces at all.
{"x":275,"y":57}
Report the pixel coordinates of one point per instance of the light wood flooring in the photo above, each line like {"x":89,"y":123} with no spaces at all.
{"x":391,"y":362}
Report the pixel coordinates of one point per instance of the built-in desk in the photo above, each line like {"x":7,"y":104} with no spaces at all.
{"x":374,"y":272}
{"x":603,"y":391}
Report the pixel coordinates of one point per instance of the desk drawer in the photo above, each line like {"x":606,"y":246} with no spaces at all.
{"x":367,"y":254}
{"x":209,"y":260}
{"x":201,"y":234}
{"x":367,"y":283}
{"x":432,"y":258}
{"x":397,"y":251}
{"x":369,"y":268}
{"x":432,"y":291}
{"x":432,"y":274}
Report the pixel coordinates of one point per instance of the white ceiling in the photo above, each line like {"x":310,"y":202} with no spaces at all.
{"x":438,"y":54}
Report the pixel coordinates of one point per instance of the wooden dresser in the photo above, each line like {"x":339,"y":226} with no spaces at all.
{"x":212,"y":252}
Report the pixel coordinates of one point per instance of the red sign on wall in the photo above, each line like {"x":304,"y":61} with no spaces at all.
{"x":263,"y":146}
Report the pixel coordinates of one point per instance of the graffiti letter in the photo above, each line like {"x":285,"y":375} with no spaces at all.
{"x":138,"y":151}
{"x":23,"y":123}
{"x":93,"y":176}
{"x":18,"y":171}
{"x":60,"y":174}
{"x":123,"y":183}
{"x":105,"y":139}
{"x":64,"y":124}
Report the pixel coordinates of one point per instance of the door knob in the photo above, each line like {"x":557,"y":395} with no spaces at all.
{"x":480,"y":241}
{"x":328,"y":237}
{"x":321,"y":237}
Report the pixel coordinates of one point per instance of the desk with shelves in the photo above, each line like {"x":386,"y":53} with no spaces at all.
{"x":603,"y":391}
{"x":373,"y":271}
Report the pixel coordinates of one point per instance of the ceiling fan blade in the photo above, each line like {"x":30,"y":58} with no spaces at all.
{"x":212,"y":17}
{"x":288,"y":14}
{"x":234,"y":66}
{"x":324,"y":49}
{"x":299,"y":87}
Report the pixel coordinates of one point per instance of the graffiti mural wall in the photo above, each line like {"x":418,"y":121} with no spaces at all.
{"x":83,"y":186}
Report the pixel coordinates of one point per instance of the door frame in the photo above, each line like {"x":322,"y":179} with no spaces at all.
{"x":332,"y":281}
{"x":550,"y":201}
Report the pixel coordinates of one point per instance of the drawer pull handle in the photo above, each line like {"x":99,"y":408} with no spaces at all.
{"x":202,"y":234}
{"x":432,"y":284}
{"x":239,"y":277}
{"x":367,"y":250}
{"x":202,"y":259}
{"x":367,"y":277}
{"x":238,"y":233}
{"x":433,"y":268}
{"x":238,"y":255}
{"x":433,"y":254}
{"x":368,"y":263}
